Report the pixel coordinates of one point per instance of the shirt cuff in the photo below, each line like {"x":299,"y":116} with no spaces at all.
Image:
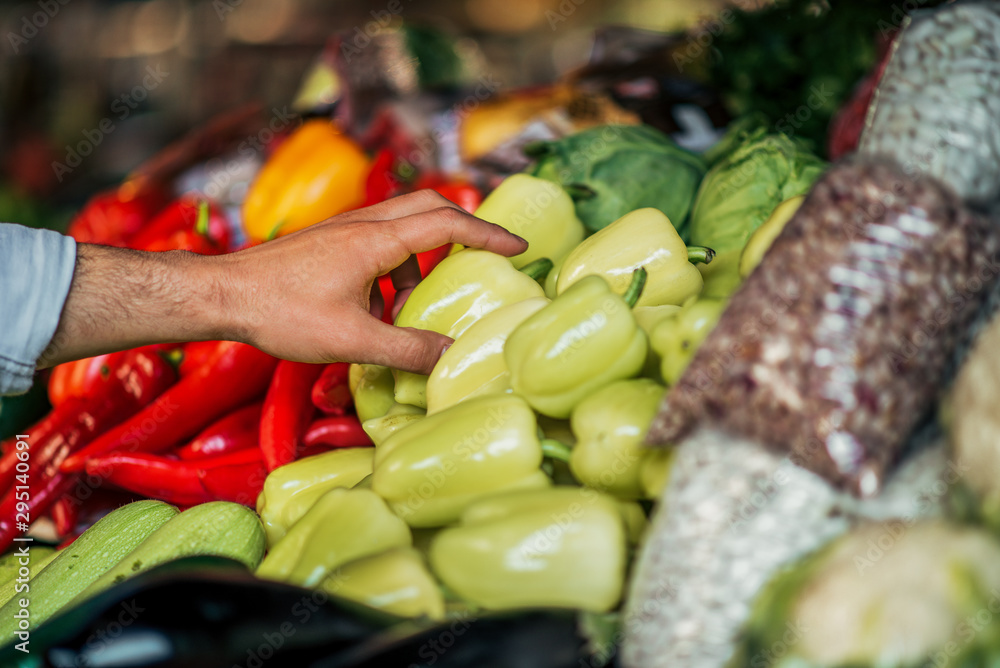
{"x":36,"y":270}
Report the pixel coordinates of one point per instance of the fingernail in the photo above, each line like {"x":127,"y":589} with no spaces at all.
{"x":521,"y":238}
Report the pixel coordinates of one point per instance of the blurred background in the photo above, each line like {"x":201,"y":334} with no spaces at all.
{"x":66,"y":62}
{"x":125,"y":78}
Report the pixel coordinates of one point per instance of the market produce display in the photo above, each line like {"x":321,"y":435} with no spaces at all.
{"x":836,"y":396}
{"x":784,"y":328}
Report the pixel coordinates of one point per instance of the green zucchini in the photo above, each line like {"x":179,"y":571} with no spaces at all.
{"x":10,"y":563}
{"x":40,"y":558}
{"x":217,"y":528}
{"x":76,"y":567}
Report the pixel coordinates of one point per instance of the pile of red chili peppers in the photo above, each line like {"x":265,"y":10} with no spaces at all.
{"x":185,"y":423}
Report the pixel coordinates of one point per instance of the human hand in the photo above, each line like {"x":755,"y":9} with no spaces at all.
{"x":306,"y":297}
{"x":312,"y":296}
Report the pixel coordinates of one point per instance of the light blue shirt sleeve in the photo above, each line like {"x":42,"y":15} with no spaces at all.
{"x":36,"y":270}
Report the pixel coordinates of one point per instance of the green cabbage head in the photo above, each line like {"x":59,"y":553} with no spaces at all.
{"x":743,"y":188}
{"x":611,"y":170}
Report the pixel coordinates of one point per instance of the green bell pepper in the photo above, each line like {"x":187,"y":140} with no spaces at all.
{"x":610,"y":427}
{"x":538,"y":211}
{"x":396,"y":581}
{"x":461,"y":290}
{"x":399,"y":416}
{"x":648,"y":318}
{"x":474,"y":365}
{"x":586,"y":338}
{"x":343,"y":525}
{"x":291,"y":490}
{"x":559,"y":547}
{"x":430,"y":471}
{"x":372,"y":389}
{"x":677,"y":338}
{"x":644,"y":238}
{"x":656,"y":472}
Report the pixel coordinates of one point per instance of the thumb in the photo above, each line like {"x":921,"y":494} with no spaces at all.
{"x":402,"y":348}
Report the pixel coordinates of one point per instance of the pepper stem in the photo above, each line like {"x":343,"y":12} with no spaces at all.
{"x":538,"y":269}
{"x":634,"y":289}
{"x":701,"y":254}
{"x":579,"y":192}
{"x":201,"y":227}
{"x":554,"y":449}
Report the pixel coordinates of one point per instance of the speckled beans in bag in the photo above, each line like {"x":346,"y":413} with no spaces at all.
{"x":937,"y":108}
{"x":838,"y":344}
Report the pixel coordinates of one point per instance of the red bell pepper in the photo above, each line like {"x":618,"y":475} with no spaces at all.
{"x":238,"y":374}
{"x":182,"y":218}
{"x":113,"y":216}
{"x":331,"y":393}
{"x":287,"y":411}
{"x":336,"y":432}
{"x":240,"y":430}
{"x":237,"y":477}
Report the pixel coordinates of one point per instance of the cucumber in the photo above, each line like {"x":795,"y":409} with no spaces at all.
{"x":75,"y":568}
{"x":40,"y":558}
{"x":217,"y":528}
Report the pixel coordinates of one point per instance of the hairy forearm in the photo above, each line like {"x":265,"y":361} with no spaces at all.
{"x":122,"y":298}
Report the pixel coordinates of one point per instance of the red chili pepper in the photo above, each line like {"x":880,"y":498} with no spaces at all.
{"x":338,"y":432}
{"x":197,"y":354}
{"x":113,"y":216}
{"x":142,"y":376}
{"x":331,"y":393}
{"x":463,"y":194}
{"x":65,"y":514}
{"x":178,"y":221}
{"x":151,"y":475}
{"x":236,"y":477}
{"x":238,"y":482}
{"x":80,"y":378}
{"x":381,"y":183}
{"x":138,"y":377}
{"x":240,"y":430}
{"x":287,"y":411}
{"x":239,"y":374}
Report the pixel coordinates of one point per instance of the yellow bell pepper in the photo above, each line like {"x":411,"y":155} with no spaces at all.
{"x":400,"y":415}
{"x":764,"y":236}
{"x":316,"y":173}
{"x":396,"y":581}
{"x":342,"y":526}
{"x":291,"y":490}
{"x":461,"y":290}
{"x":474,"y":365}
{"x":643,"y":238}
{"x":430,"y":471}
{"x":371,"y":388}
{"x":610,"y":427}
{"x":538,"y":211}
{"x":559,"y":547}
